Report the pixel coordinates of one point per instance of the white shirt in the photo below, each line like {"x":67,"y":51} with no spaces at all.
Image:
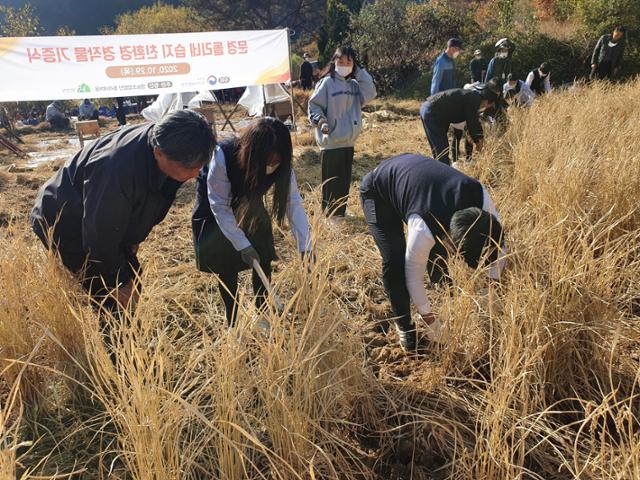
{"x":420,"y":241}
{"x":219,"y":193}
{"x":546,"y":83}
{"x":525,"y":96}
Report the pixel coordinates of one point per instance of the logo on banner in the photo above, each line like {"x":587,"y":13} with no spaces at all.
{"x":84,"y":88}
{"x":224,"y":79}
{"x":212,"y":80}
{"x":155,"y":85}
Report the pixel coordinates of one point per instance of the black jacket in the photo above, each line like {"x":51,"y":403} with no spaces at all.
{"x":476,"y":67}
{"x":455,"y":106}
{"x":604,"y":53}
{"x":414,"y":184}
{"x":499,"y":68}
{"x":103,"y":201}
{"x":306,"y":72}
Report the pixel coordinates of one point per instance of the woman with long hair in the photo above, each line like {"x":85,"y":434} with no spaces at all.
{"x":335,"y":109}
{"x":231,"y":224}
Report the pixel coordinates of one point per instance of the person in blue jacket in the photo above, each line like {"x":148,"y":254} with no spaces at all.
{"x":444,"y":68}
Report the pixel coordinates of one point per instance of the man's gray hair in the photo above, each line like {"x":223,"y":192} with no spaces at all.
{"x":184,"y":136}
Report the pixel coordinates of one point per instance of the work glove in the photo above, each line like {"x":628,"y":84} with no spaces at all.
{"x":324,"y":128}
{"x":248,"y":255}
{"x":436,"y":332}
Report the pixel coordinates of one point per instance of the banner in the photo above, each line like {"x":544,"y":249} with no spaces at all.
{"x":61,"y":68}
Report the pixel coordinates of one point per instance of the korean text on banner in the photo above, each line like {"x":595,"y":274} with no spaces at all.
{"x":49,"y":68}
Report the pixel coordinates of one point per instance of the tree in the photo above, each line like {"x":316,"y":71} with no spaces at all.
{"x":65,"y":31}
{"x":303,"y":16}
{"x":601,"y":16}
{"x":397,"y":39}
{"x":160,"y":18}
{"x":21,"y":22}
{"x":335,"y":28}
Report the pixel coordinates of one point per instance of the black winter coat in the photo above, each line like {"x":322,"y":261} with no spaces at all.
{"x":103,"y":201}
{"x":605,"y":53}
{"x":455,"y":106}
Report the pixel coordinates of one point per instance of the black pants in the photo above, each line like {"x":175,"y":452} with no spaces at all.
{"x":455,"y":145}
{"x":102,"y":300}
{"x":120,"y":115}
{"x":228,"y":287}
{"x":93,"y":116}
{"x":387,"y":229}
{"x":603,"y":71}
{"x":436,"y":135}
{"x":337,"y":165}
{"x":215,"y":254}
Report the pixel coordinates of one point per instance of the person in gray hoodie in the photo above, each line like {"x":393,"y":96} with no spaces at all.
{"x":335,"y":110}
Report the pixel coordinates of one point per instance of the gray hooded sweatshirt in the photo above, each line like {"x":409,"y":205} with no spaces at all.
{"x":338,"y":102}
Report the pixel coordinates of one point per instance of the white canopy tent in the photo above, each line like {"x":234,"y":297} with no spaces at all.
{"x":256,"y":97}
{"x":259,"y":100}
{"x":168,"y":102}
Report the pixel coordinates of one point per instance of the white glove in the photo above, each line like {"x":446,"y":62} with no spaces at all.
{"x":436,"y":332}
{"x":324,"y":128}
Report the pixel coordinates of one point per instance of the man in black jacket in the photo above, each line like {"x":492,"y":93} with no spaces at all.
{"x":97,"y":209}
{"x":477,"y":67}
{"x":455,"y":106}
{"x":445,"y":211}
{"x":607,"y":55}
{"x":306,"y":74}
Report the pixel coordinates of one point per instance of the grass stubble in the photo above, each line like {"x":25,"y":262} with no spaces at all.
{"x":539,"y":379}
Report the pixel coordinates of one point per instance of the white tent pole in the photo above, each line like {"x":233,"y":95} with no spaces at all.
{"x":293,"y":107}
{"x":264,"y":101}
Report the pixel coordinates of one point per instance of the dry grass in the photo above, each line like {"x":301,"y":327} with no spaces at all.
{"x":540,"y":378}
{"x":4,"y":179}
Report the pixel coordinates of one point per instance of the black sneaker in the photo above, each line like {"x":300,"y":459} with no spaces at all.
{"x":408,"y":338}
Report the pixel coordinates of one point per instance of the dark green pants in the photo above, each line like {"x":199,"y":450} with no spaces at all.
{"x":336,"y":179}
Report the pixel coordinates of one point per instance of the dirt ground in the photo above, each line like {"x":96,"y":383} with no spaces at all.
{"x":565,"y":325}
{"x":390,"y":128}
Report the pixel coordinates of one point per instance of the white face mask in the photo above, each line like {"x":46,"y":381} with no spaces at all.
{"x":343,"y":71}
{"x":613,"y":44}
{"x":456,"y":54}
{"x":272,"y":168}
{"x":503,"y":54}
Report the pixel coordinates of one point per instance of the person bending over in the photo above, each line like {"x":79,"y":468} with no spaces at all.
{"x":444,"y":210}
{"x":231,"y":224}
{"x":98,"y":208}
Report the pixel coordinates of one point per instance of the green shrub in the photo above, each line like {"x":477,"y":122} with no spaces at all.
{"x":600,"y":16}
{"x":398,"y":40}
{"x":296,"y":62}
{"x":569,"y":59}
